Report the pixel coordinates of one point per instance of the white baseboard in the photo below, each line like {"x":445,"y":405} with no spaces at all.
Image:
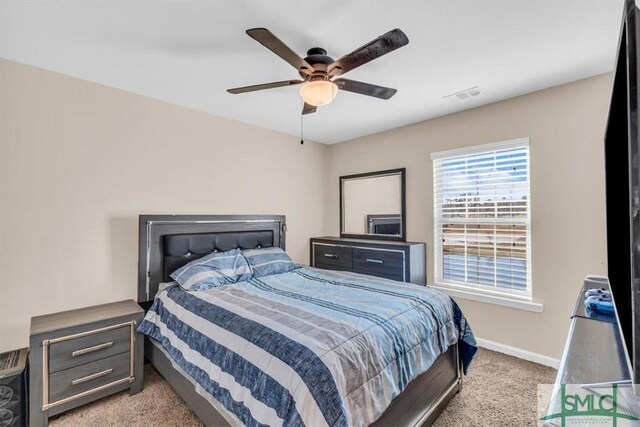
{"x":519,"y":353}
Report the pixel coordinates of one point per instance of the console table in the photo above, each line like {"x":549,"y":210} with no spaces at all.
{"x":594,"y":358}
{"x":605,"y":360}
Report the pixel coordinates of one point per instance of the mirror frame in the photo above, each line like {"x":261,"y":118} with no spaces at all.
{"x":403,"y":205}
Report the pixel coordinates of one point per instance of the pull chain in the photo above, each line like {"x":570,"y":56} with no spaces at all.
{"x":301,"y":129}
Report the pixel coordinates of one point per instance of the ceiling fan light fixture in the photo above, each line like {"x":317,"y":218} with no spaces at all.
{"x":319,"y":92}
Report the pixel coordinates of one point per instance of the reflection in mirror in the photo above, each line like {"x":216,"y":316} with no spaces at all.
{"x":372,"y":204}
{"x":384,"y":224}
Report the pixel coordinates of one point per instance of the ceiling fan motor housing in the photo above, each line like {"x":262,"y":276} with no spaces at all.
{"x":318,"y":59}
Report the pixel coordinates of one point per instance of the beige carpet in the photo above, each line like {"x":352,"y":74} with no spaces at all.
{"x":500,"y":390}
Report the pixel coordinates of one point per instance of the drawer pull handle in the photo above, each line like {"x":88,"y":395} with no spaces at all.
{"x":92,"y":376}
{"x":375,"y":261}
{"x":331,"y":256}
{"x":91,"y":349}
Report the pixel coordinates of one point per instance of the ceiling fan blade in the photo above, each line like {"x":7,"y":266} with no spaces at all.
{"x":308,"y":108}
{"x":277,"y":46}
{"x":384,"y":44}
{"x":365,"y":88}
{"x":272,"y":85}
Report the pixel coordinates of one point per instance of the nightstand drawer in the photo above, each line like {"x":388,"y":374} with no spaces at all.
{"x":332,"y":256}
{"x":73,"y":381}
{"x":78,"y":351}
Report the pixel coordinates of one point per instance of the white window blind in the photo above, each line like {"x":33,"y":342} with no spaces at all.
{"x":482,"y":218}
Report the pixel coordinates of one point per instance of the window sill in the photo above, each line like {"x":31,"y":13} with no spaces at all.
{"x":490,"y":299}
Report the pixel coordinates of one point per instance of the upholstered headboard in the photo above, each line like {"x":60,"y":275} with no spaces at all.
{"x":167,"y":242}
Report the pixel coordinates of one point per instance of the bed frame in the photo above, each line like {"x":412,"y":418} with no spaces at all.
{"x":170,"y":241}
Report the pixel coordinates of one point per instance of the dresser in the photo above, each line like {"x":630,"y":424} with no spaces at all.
{"x":402,"y":261}
{"x":79,"y":356}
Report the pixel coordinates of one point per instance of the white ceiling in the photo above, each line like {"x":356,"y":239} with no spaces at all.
{"x":189,"y":53}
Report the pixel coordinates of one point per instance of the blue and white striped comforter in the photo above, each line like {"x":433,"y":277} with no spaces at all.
{"x":308,"y":347}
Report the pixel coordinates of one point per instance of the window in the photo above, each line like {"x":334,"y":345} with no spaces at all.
{"x":482,"y":219}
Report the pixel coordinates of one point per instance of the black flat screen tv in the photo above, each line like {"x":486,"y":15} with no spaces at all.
{"x":622,"y":191}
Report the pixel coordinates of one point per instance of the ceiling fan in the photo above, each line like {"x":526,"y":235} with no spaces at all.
{"x":318,"y":70}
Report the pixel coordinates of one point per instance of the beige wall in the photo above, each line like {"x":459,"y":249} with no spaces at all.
{"x":79,"y":162}
{"x":566,"y":128}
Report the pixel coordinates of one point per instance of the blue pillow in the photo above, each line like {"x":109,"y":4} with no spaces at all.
{"x":216,"y":269}
{"x":268,"y":261}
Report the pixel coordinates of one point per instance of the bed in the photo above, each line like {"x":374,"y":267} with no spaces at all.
{"x":305,"y":347}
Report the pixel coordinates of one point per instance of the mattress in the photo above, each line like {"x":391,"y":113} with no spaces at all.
{"x":309,"y":347}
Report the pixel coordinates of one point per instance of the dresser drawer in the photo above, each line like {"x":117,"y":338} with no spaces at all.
{"x":336,"y":257}
{"x":397,"y":276}
{"x":380,"y":263}
{"x":324,"y":266}
{"x":78,"y":351}
{"x":79,"y":379}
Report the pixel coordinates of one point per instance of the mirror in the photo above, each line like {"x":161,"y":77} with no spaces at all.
{"x":372,"y":205}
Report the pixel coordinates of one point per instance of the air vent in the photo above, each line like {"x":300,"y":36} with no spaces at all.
{"x":463,"y":94}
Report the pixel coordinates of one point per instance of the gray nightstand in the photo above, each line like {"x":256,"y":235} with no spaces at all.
{"x":82,"y":355}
